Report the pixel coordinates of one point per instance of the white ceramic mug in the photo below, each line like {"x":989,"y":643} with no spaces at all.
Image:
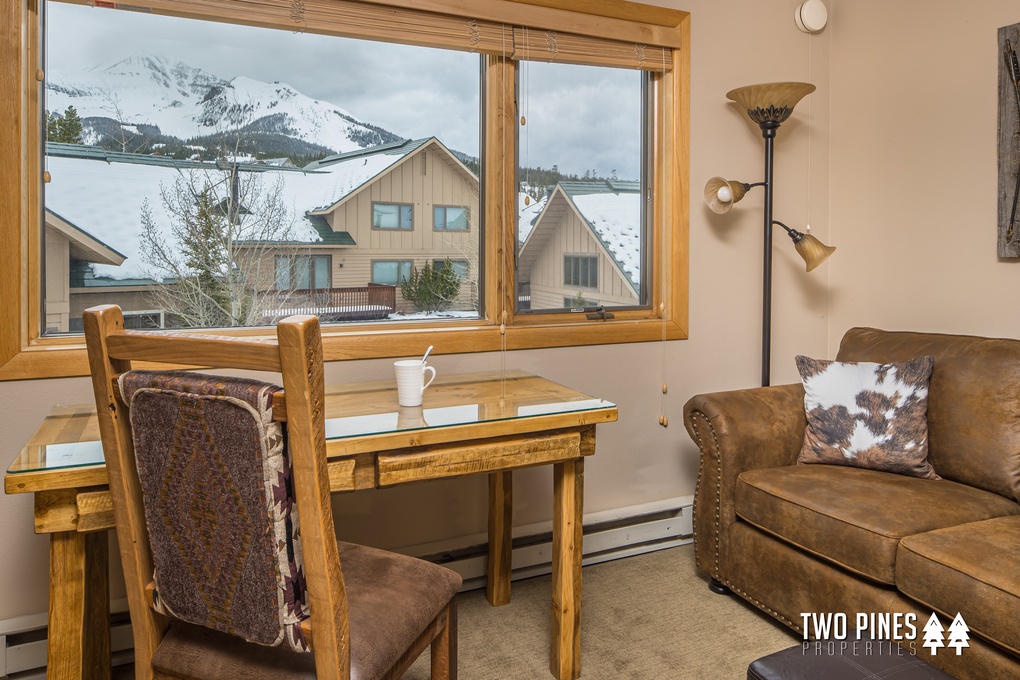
{"x":411,"y":381}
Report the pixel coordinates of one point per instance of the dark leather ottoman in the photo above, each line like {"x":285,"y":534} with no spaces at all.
{"x":844,"y":660}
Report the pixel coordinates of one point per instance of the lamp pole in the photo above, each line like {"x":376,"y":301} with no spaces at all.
{"x":768,"y":131}
{"x":768,"y":105}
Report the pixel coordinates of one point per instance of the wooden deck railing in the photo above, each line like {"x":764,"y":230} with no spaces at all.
{"x":524,"y":294}
{"x":356,"y":303}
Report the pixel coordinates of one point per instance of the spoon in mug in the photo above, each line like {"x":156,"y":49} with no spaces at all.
{"x":424,"y":358}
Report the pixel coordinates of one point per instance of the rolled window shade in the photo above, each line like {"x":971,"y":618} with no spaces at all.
{"x":349,"y":20}
{"x":540,"y":45}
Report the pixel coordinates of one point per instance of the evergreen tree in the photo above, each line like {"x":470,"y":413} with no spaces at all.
{"x":66,"y":128}
{"x":70,"y":126}
{"x":432,"y":289}
{"x":52,"y":126}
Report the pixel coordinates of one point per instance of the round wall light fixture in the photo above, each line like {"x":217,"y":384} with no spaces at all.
{"x":811,"y":16}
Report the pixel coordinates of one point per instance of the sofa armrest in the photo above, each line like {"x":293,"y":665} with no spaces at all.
{"x":737,"y":431}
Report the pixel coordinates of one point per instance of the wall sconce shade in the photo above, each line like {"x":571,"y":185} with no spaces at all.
{"x":770,"y":104}
{"x":721,"y":194}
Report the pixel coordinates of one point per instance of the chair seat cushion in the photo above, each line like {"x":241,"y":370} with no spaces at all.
{"x":856,"y":517}
{"x":391,"y":599}
{"x":973,"y":570}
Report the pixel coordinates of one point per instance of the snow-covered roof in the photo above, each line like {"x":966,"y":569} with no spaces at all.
{"x":528,"y":210}
{"x":616,"y":220}
{"x":105,"y":199}
{"x":102,"y":193}
{"x":348,"y":172}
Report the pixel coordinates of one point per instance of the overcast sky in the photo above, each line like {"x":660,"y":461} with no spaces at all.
{"x":579,"y":118}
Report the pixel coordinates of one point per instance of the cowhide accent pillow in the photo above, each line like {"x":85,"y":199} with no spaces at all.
{"x":867,"y":415}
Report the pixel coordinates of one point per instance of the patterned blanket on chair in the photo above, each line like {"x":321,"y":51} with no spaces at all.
{"x":219,"y":503}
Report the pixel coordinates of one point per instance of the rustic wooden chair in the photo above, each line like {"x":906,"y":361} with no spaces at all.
{"x":220,"y":582}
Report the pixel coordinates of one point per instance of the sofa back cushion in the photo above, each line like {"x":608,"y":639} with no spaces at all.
{"x":973,"y":401}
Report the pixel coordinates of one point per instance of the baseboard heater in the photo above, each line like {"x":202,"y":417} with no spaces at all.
{"x":605,"y":540}
{"x":608,"y":536}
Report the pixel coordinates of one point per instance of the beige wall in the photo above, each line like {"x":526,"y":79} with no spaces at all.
{"x":734,"y":43}
{"x":914,"y":168}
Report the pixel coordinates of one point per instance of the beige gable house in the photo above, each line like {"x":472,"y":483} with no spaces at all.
{"x":584,"y":247}
{"x":399,"y":206}
{"x":360,"y":222}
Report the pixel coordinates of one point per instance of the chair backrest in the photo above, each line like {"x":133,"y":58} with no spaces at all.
{"x":203,"y":511}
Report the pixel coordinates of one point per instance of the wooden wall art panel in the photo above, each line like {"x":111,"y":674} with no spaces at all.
{"x":1009,"y":142}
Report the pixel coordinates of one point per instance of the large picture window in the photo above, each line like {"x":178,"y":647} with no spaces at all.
{"x":184,"y":176}
{"x":176,"y":151}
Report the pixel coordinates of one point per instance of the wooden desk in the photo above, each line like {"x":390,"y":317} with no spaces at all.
{"x":485,"y":423}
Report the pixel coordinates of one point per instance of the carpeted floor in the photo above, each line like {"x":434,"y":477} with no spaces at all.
{"x":646,"y":617}
{"x":649,"y":617}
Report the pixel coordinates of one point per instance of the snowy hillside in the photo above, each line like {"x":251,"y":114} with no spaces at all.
{"x":145,"y":92}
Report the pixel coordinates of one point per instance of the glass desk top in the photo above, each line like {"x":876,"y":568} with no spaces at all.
{"x":69,"y":436}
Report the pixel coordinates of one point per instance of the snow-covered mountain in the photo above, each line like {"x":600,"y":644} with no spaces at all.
{"x":145,"y":91}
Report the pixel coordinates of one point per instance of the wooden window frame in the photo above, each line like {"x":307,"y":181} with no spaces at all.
{"x":26,"y":354}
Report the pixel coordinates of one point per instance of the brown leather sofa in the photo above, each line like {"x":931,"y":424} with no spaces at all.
{"x":794,"y":539}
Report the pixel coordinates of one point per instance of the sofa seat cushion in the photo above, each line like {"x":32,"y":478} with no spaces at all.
{"x":856,"y":517}
{"x":973,"y":570}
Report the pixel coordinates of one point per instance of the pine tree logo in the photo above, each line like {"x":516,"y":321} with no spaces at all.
{"x":958,"y":634}
{"x":933,"y":634}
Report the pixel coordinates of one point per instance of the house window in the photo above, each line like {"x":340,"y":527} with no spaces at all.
{"x":449,"y":218}
{"x":391,"y":272}
{"x":581,"y":270}
{"x":490,"y":59}
{"x":302,"y":272}
{"x":392,"y":216}
{"x":460,"y":267}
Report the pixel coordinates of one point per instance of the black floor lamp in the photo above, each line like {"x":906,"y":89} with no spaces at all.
{"x":768,"y":105}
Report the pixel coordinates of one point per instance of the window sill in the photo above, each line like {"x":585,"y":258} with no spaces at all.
{"x":64,"y":357}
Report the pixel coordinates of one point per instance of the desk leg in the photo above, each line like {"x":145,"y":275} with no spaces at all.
{"x":78,"y":637}
{"x":568,"y":500}
{"x":497,"y":584}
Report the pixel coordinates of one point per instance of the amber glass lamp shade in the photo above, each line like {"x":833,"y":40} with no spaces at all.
{"x":812,"y":250}
{"x":808,"y":247}
{"x":770,"y":104}
{"x":721,"y":194}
